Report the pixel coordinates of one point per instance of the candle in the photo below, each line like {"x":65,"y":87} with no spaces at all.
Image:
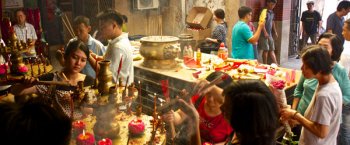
{"x":105,"y":141}
{"x":293,"y":76}
{"x":154,"y":112}
{"x":288,"y":78}
{"x":5,"y":70}
{"x":136,"y":126}
{"x":85,"y":139}
{"x":155,"y":102}
{"x":139,"y":93}
{"x":38,"y":63}
{"x":78,"y":127}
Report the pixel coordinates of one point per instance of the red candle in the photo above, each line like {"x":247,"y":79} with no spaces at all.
{"x":78,"y":127}
{"x":136,"y":126}
{"x":85,"y":139}
{"x":105,"y":141}
{"x":293,"y":76}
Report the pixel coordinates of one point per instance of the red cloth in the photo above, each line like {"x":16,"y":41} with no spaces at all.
{"x":251,"y":26}
{"x":212,"y":129}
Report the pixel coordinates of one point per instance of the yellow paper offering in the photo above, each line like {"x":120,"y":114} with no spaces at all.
{"x":263,"y":15}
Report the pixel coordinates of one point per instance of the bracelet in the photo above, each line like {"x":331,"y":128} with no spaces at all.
{"x":296,"y":112}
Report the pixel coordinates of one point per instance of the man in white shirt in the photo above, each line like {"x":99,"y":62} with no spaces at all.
{"x":118,"y":48}
{"x":25,"y":31}
{"x":344,"y":131}
{"x":82,"y":28}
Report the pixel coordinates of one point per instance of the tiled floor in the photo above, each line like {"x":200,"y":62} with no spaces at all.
{"x":292,"y":63}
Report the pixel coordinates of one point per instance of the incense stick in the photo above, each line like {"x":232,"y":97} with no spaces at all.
{"x":18,"y":81}
{"x":65,"y":24}
{"x":167,"y":107}
{"x":70,"y":26}
{"x":119,"y":68}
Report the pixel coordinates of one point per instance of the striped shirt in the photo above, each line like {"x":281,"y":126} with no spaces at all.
{"x":25,"y":32}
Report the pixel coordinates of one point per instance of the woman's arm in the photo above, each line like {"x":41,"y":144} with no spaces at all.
{"x":24,"y":88}
{"x":177,"y":117}
{"x":298,"y":92}
{"x":92,"y":60}
{"x":212,"y":40}
{"x":193,"y":116}
{"x":295,"y":103}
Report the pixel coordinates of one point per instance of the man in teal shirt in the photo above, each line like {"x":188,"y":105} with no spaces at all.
{"x":242,"y":37}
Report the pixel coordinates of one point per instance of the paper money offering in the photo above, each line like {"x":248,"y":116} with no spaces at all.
{"x":263,"y":15}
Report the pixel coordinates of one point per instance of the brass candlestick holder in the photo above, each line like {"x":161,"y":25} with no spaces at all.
{"x":104,"y":77}
{"x":14,"y":48}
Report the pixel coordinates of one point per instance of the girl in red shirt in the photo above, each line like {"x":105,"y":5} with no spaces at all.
{"x":213,"y":127}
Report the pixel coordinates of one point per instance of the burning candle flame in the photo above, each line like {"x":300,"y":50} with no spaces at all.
{"x":83,"y":132}
{"x":104,"y":140}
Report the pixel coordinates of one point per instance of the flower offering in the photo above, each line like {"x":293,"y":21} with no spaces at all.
{"x":85,"y":139}
{"x":136,"y":126}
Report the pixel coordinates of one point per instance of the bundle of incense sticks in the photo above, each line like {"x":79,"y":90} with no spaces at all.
{"x":167,"y":107}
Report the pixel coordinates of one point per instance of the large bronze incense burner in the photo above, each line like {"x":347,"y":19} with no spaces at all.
{"x":159,"y":52}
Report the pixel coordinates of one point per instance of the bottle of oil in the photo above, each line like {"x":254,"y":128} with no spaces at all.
{"x":222,"y":52}
{"x":198,"y":57}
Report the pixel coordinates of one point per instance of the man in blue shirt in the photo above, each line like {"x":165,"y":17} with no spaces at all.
{"x":82,"y":28}
{"x":242,"y":37}
{"x":335,"y":21}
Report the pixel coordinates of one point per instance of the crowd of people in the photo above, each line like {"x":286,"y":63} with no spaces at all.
{"x":243,"y":112}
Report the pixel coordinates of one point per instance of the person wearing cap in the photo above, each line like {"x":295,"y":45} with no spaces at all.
{"x":311,"y":24}
{"x":335,"y":21}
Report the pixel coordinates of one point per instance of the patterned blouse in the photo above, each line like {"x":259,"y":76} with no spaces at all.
{"x":219,"y":32}
{"x":62,"y":93}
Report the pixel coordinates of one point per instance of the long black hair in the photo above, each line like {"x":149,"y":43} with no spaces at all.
{"x":74,"y":46}
{"x":252,"y":111}
{"x":336,"y":43}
